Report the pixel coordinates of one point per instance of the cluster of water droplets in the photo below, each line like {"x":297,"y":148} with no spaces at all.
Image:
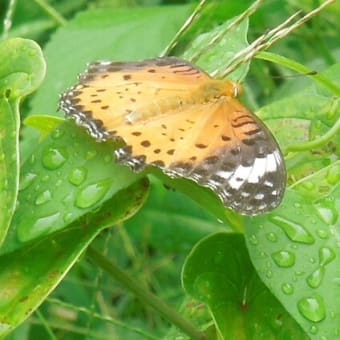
{"x":43,"y":188}
{"x":312,"y":305}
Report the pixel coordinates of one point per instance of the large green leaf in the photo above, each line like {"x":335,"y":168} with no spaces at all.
{"x":295,"y":251}
{"x":67,"y":176}
{"x":218,"y":272}
{"x":29,"y":274}
{"x":22,"y":69}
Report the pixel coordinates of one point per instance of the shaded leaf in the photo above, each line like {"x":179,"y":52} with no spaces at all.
{"x":22,"y":69}
{"x":218,"y":272}
{"x":29,"y":274}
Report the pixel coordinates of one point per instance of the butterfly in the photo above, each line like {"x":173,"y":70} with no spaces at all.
{"x":171,"y":114}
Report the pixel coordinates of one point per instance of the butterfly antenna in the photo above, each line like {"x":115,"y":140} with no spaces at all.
{"x":183,"y":29}
{"x":269,"y":38}
{"x":219,"y":36}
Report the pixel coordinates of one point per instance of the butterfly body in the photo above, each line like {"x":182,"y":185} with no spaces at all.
{"x":171,"y":114}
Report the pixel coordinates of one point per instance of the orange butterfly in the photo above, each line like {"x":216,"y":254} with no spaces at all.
{"x":173,"y":115}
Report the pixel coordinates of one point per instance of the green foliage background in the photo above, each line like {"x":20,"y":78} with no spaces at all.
{"x":294,"y":251}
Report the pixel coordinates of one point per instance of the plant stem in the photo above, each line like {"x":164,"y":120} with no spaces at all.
{"x":316,"y":142}
{"x":293,"y":65}
{"x":51,"y":12}
{"x":145,"y":296}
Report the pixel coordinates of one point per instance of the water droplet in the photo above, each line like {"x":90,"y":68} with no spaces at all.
{"x":91,"y":194}
{"x":271,"y":237}
{"x":42,"y":226}
{"x":57,"y":133}
{"x":253,"y":240}
{"x":312,"y":308}
{"x":287,"y":288}
{"x":90,"y":154}
{"x":322,"y":233}
{"x":77,"y":175}
{"x":308,"y":185}
{"x":44,"y":197}
{"x":314,"y":329}
{"x":294,"y":231}
{"x":327,"y":212}
{"x":68,"y":217}
{"x":284,"y":258}
{"x":45,"y":178}
{"x":27,"y":180}
{"x":299,"y":273}
{"x":333,"y":174}
{"x":68,"y":199}
{"x":108,"y":158}
{"x":326,"y":255}
{"x":54,"y":158}
{"x":269,"y":274}
{"x":58,"y":182}
{"x":314,"y":280}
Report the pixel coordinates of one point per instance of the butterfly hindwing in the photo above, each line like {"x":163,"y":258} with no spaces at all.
{"x":229,"y":151}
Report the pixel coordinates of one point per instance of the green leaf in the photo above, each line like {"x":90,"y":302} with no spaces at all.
{"x":218,"y":272}
{"x":29,"y":274}
{"x":295,"y":251}
{"x":171,"y":221}
{"x":306,"y":116}
{"x":44,"y":123}
{"x":22,"y":69}
{"x":213,"y":57}
{"x":68,"y":175}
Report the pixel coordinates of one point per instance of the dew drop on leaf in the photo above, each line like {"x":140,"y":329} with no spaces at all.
{"x":333,"y":174}
{"x":326,"y":255}
{"x":284,"y":258}
{"x":27,"y":180}
{"x":91,"y":194}
{"x":314,"y":329}
{"x":271,"y":237}
{"x":322,"y":233}
{"x":253,"y":240}
{"x":45,"y":178}
{"x":108,"y":158}
{"x":314,"y":280}
{"x":67,"y":217}
{"x":90,"y":154}
{"x":54,"y":158}
{"x":43,"y":197}
{"x":41,"y":226}
{"x":77,"y":175}
{"x":269,"y":274}
{"x":287,"y":288}
{"x":312,"y":308}
{"x":293,"y":230}
{"x":57,"y":133}
{"x":328,"y":212}
{"x":308,"y":185}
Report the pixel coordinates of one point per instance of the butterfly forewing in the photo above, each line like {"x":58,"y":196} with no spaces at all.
{"x":172,"y":115}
